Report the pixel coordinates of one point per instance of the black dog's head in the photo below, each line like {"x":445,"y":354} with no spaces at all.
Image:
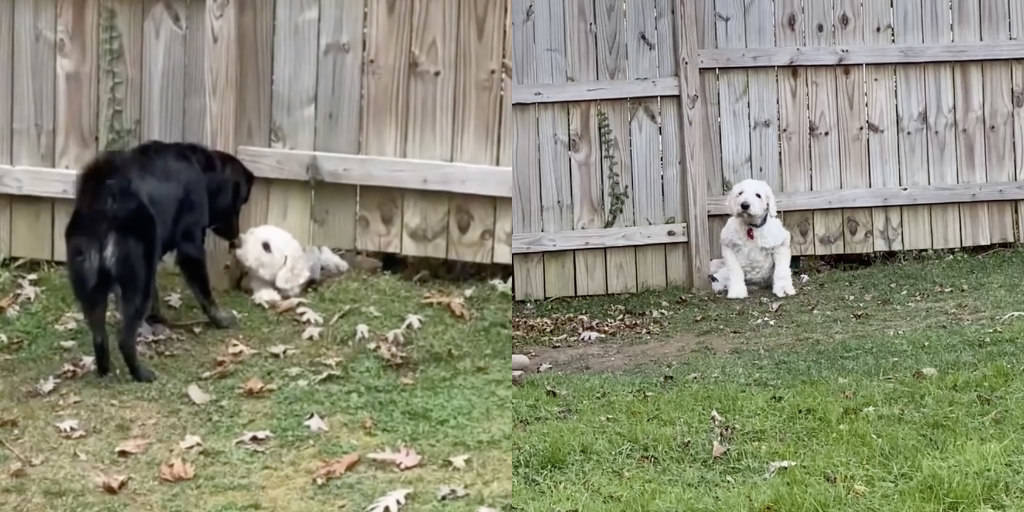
{"x":228,"y":190}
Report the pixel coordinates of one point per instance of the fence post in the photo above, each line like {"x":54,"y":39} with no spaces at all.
{"x":221,"y":69}
{"x":696,"y":140}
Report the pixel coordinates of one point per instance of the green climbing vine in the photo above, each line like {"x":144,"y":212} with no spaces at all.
{"x":617,"y":193}
{"x":119,"y":132}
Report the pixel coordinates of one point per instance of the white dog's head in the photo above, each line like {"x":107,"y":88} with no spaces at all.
{"x":275,"y":256}
{"x":753,"y":201}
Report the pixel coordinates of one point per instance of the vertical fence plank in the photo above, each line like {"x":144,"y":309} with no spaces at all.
{"x":33,"y":117}
{"x":503,"y":208}
{"x":163,"y":82}
{"x":616,"y":167}
{"x":389,"y":24}
{"x":822,"y":103}
{"x":477,"y":123}
{"x":121,"y":73}
{"x":76,"y":89}
{"x":252,"y":121}
{"x":941,"y":125}
{"x":430,"y":127}
{"x":912,"y":124}
{"x":852,"y":133}
{"x":6,"y":75}
{"x":553,"y":122}
{"x":1017,"y":71}
{"x":338,"y":111}
{"x":883,"y":156}
{"x":707,"y":37}
{"x":793,"y":125}
{"x":584,"y":146}
{"x":194,"y":116}
{"x":969,"y":104}
{"x":293,"y":108}
{"x":645,"y":140}
{"x":733,"y":95}
{"x":998,"y":110}
{"x":677,"y":257}
{"x":764,"y":96}
{"x":528,"y":269}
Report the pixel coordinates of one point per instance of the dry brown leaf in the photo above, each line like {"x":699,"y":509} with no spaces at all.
{"x":177,"y":470}
{"x":47,"y":385}
{"x":315,"y":423}
{"x":68,"y":321}
{"x":254,"y":437}
{"x":718,"y":449}
{"x":133,"y":446}
{"x":405,"y":458}
{"x":289,"y":304}
{"x":280,"y":350}
{"x":197,"y":395}
{"x":458,"y":461}
{"x":17,"y":470}
{"x":326,"y":375}
{"x":335,"y":468}
{"x":9,"y":421}
{"x":390,"y":502}
{"x":312,"y":333}
{"x":173,"y":300}
{"x":223,"y":368}
{"x":456,"y":304}
{"x":112,"y":484}
{"x":256,"y":387}
{"x":77,"y":368}
{"x":238,"y":349}
{"x":69,"y":429}
{"x":308,"y":316}
{"x":190,"y":442}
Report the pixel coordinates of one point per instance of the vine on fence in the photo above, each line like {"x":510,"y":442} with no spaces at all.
{"x":119,"y":133}
{"x":617,"y":192}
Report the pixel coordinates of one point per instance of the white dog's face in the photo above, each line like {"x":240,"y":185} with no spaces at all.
{"x":273,"y":255}
{"x":752,"y":200}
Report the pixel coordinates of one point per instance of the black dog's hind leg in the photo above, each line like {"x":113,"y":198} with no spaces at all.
{"x":94,"y":308}
{"x":155,"y":316}
{"x":192,"y":262}
{"x":135,"y":277}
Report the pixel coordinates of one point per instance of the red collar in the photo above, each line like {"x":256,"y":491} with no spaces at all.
{"x":750,"y":233}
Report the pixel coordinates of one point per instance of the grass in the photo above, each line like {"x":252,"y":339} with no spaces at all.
{"x":434,"y":404}
{"x":830,"y":379}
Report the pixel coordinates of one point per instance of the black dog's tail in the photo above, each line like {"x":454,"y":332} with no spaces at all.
{"x":105,"y":189}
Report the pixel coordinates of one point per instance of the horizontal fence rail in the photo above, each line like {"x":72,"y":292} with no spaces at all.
{"x":525,"y":243}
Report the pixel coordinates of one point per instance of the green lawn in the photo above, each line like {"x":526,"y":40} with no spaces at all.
{"x":830,"y":379}
{"x":434,"y":404}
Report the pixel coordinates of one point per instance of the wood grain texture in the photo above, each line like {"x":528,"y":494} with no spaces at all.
{"x":998,"y":111}
{"x":968,"y":94}
{"x":764,"y":96}
{"x":338,"y":116}
{"x":471,"y":225}
{"x":163,"y":80}
{"x":733,"y":97}
{"x":293,"y":108}
{"x":620,"y":263}
{"x":822,"y":103}
{"x":706,"y":37}
{"x":593,"y":90}
{"x":523,"y":243}
{"x":912,"y":124}
{"x":794,"y":139}
{"x":503,"y":208}
{"x":677,"y":267}
{"x":76,"y":89}
{"x":941,"y":126}
{"x":1017,"y":72}
{"x":870,"y":54}
{"x":585,"y":147}
{"x":883,"y":150}
{"x":196,"y":55}
{"x":696,"y":141}
{"x":429,"y":133}
{"x":527,"y":269}
{"x":6,"y":95}
{"x":120,"y":73}
{"x":33,"y":121}
{"x":389,"y":24}
{"x":252,"y":121}
{"x":852,"y":132}
{"x":553,"y":122}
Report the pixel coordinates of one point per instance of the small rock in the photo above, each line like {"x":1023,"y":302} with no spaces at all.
{"x":520,"y":362}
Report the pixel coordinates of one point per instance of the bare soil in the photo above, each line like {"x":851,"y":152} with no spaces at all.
{"x":611,"y":357}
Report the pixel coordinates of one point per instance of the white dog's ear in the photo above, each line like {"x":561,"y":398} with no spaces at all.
{"x":773,"y":210}
{"x":292,"y":276}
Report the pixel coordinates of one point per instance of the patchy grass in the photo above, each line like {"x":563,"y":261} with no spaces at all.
{"x":450,"y":398}
{"x":830,"y":379}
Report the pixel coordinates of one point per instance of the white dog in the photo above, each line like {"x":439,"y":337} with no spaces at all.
{"x":755,"y":244}
{"x":276,"y":265}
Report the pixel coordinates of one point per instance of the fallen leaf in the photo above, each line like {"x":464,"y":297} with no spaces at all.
{"x":9,"y":421}
{"x":926,"y":373}
{"x":256,"y":387}
{"x":718,"y":449}
{"x":367,"y":424}
{"x":133,"y":446}
{"x":543,"y":368}
{"x":362,"y":332}
{"x":550,"y":391}
{"x":312,"y":333}
{"x":190,"y":442}
{"x":28,"y":291}
{"x":112,"y":484}
{"x":774,"y":306}
{"x":371,"y":310}
{"x":406,"y":381}
{"x":177,"y":470}
{"x":254,"y":437}
{"x":448,"y":493}
{"x":458,"y":461}
{"x":315,"y":423}
{"x":198,"y":396}
{"x":69,"y":429}
{"x":405,"y":458}
{"x":775,"y":466}
{"x":390,"y":502}
{"x":308,"y":316}
{"x":716,"y":419}
{"x":412,"y":321}
{"x":173,"y":300}
{"x":456,"y":305}
{"x":45,"y":386}
{"x":17,"y":470}
{"x":68,"y":345}
{"x":504,"y":287}
{"x":389,"y":352}
{"x":468,"y":292}
{"x":326,"y":375}
{"x":68,"y":321}
{"x":858,"y":490}
{"x":238,"y":349}
{"x":331,"y":361}
{"x":77,"y":368}
{"x":395,"y":336}
{"x":289,"y":304}
{"x":335,"y":468}
{"x":223,"y":369}
{"x":590,"y":336}
{"x":280,"y":350}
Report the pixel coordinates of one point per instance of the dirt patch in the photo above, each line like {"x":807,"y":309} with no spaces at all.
{"x":617,"y":357}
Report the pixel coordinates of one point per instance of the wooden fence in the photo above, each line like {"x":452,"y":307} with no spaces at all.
{"x":373,"y":124}
{"x":882,"y":125}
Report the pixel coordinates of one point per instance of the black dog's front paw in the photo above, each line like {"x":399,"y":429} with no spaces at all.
{"x":223,"y":319}
{"x":143,"y":374}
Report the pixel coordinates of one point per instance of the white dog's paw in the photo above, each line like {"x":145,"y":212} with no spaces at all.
{"x":783,"y":290}
{"x":737,"y":292}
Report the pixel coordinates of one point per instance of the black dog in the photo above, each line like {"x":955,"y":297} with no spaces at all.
{"x":133,"y":207}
